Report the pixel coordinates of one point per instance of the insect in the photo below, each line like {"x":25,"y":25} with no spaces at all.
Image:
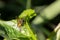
{"x":20,"y":22}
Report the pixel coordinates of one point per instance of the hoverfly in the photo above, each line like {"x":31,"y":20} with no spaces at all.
{"x":20,"y":22}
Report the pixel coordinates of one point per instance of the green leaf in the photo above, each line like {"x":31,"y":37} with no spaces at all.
{"x":29,"y":12}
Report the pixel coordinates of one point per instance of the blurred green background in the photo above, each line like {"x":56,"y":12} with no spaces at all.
{"x":44,"y":24}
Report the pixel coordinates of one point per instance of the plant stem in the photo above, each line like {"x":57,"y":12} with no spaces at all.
{"x":28,"y":4}
{"x":31,"y":33}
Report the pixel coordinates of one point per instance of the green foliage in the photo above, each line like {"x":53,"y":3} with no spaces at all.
{"x":41,"y":28}
{"x":8,"y":32}
{"x":27,"y":13}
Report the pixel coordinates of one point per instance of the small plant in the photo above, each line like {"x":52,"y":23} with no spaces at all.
{"x":10,"y":31}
